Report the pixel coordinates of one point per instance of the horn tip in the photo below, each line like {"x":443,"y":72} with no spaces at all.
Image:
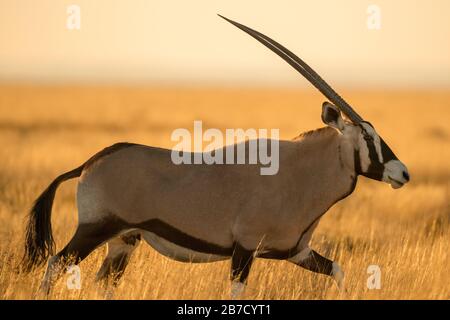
{"x":223,"y":17}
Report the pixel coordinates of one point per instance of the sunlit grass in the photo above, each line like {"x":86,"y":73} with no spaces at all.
{"x":47,"y":131}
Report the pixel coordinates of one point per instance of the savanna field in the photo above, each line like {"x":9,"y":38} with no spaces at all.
{"x":45,"y":131}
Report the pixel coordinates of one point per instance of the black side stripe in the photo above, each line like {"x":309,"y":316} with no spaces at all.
{"x":178,"y":237}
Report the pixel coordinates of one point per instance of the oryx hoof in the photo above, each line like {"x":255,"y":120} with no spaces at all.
{"x":338,"y":276}
{"x":237,"y":290}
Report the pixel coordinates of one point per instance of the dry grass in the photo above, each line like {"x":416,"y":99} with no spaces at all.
{"x":46,"y":131}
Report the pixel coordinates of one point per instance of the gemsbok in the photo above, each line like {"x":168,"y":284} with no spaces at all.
{"x":205,"y":213}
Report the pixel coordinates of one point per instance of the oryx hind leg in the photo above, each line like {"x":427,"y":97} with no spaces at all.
{"x":313,"y":261}
{"x":120,"y":250}
{"x":87,"y":237}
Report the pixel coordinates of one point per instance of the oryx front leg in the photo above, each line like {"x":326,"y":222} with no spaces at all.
{"x":241,"y":262}
{"x":313,"y":261}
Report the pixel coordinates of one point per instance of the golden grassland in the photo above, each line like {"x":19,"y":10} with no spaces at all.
{"x":45,"y":131}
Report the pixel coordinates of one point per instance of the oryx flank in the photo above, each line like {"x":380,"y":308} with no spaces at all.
{"x":205,"y":213}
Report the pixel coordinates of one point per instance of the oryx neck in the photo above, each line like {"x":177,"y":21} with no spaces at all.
{"x":328,"y":157}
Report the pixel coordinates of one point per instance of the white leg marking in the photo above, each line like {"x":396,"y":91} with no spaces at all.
{"x":52,"y":273}
{"x":338,"y":276}
{"x":237,"y":290}
{"x":109,"y":294}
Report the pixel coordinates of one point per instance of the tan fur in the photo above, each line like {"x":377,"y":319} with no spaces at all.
{"x":223,"y":204}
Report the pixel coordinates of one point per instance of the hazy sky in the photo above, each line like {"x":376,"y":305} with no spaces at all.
{"x":185,"y":42}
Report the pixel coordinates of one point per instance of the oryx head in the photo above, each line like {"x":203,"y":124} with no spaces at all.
{"x":373,"y":157}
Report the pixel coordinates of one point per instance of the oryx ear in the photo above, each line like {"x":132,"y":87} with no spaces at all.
{"x":331,"y":116}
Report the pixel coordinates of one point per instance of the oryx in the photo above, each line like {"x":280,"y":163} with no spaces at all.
{"x":205,"y":213}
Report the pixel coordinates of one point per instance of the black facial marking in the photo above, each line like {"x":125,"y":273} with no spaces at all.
{"x":376,"y":168}
{"x":406,"y":175}
{"x":373,"y":155}
{"x":387,"y":153}
{"x":317,"y":263}
{"x":241,"y":261}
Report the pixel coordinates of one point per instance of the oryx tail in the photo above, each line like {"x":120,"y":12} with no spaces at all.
{"x":39,"y":243}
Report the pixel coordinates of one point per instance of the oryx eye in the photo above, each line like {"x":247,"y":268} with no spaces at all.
{"x":368,"y":137}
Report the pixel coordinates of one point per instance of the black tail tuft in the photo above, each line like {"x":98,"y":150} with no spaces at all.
{"x":39,"y":243}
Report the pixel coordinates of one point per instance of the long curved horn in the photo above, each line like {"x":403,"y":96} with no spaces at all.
{"x":301,"y":66}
